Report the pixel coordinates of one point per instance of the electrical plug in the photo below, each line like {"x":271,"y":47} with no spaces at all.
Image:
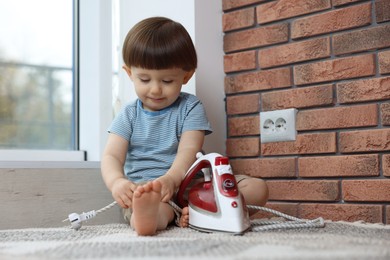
{"x":76,"y":219}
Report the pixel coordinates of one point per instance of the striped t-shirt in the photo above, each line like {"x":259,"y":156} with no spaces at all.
{"x":154,"y":136}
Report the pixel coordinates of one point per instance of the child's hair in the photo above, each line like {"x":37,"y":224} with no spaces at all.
{"x":159,"y":43}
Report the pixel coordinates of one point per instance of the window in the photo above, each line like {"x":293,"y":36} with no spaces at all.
{"x":72,"y":120}
{"x":38,"y":75}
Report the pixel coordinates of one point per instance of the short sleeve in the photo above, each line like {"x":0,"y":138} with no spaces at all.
{"x":122,"y":123}
{"x":196,"y":118}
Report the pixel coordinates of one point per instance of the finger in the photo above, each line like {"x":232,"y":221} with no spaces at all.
{"x":119,"y":200}
{"x":127,"y":201}
{"x":166,"y":198}
{"x":129,"y":194}
{"x":121,"y":203}
{"x":133,"y":186}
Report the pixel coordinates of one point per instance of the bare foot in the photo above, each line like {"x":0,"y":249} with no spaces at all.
{"x":185,"y":217}
{"x":146,"y":202}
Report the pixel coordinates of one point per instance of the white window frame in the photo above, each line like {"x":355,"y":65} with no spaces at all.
{"x":95,"y":85}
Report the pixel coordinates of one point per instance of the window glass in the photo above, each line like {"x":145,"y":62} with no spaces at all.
{"x":36,"y":75}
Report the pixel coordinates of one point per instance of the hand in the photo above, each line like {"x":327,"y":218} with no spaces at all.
{"x":168,"y":187}
{"x":122,"y":191}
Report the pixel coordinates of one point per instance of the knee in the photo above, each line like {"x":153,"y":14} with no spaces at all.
{"x":264,"y":188}
{"x":254,"y":190}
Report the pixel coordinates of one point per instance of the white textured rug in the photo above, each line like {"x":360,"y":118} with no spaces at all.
{"x":338,"y":240}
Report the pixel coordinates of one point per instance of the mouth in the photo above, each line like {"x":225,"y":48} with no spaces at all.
{"x":157,"y":99}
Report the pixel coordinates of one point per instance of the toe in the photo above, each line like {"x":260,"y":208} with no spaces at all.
{"x":156,"y":186}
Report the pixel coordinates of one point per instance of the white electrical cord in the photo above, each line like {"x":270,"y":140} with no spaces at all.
{"x":257,"y":224}
{"x":263,"y":225}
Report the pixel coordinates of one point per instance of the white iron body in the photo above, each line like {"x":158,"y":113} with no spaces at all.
{"x":215,"y":204}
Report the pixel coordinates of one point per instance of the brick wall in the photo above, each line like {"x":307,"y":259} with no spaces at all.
{"x":330,"y":59}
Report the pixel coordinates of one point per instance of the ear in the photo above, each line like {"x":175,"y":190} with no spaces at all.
{"x":188,"y":76}
{"x":128,"y":71}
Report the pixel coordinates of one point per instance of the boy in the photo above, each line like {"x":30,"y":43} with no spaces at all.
{"x":153,"y":141}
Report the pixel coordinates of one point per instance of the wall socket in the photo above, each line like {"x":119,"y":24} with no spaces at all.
{"x":278,"y":125}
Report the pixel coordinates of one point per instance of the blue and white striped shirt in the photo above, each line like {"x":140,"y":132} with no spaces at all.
{"x":154,"y":136}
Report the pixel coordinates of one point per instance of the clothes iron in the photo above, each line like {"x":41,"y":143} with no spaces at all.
{"x":215,"y":204}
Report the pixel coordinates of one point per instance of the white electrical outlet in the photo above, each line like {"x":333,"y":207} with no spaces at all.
{"x":278,"y":125}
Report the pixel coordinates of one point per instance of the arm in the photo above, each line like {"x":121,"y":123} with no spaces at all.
{"x":113,"y":160}
{"x":191,"y":142}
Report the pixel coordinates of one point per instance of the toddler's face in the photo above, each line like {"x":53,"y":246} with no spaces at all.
{"x":158,"y":89}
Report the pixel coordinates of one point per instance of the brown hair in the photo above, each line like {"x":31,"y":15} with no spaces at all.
{"x":159,"y":43}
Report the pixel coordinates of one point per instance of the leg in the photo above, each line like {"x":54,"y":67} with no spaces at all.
{"x":149,"y":213}
{"x":254,"y":191}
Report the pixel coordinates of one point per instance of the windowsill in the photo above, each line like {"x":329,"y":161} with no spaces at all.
{"x":45,"y":159}
{"x":49,"y":165}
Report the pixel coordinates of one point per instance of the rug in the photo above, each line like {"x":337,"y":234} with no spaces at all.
{"x":337,"y":240}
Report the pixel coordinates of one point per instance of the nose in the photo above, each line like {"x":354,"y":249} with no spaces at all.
{"x":156,"y":89}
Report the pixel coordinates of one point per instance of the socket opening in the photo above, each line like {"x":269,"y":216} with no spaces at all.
{"x":280,"y":124}
{"x":268,"y":126}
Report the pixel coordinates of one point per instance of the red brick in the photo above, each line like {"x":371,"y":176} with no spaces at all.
{"x":282,"y":9}
{"x":384,"y":62}
{"x":332,"y":21}
{"x":342,"y":68}
{"x":338,"y":117}
{"x":298,"y":190}
{"x":245,"y":125}
{"x":238,"y":19}
{"x":239,"y":61}
{"x":364,"y":90}
{"x":366,"y":190}
{"x":385,"y":113}
{"x":243,"y":147}
{"x":305,"y":144}
{"x":339,"y":166}
{"x":343,"y":2}
{"x":259,"y":80}
{"x":365,"y":141}
{"x":265,"y":167}
{"x":387,"y":215}
{"x":290,"y":209}
{"x":386,"y":165}
{"x":294,"y":52}
{"x":257,"y":37}
{"x":242,"y":104}
{"x":382,"y":10}
{"x":362,"y":40}
{"x":342,"y":212}
{"x":297,"y":98}
{"x":230,"y":4}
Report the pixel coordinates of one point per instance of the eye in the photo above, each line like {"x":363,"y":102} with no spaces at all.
{"x":167,"y":81}
{"x":144,"y":80}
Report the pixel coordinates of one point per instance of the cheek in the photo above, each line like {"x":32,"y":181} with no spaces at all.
{"x":173,"y":92}
{"x":140,"y":91}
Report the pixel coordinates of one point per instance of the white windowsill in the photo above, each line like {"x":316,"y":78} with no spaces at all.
{"x":45,"y":159}
{"x":41,"y":158}
{"x":49,"y":165}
